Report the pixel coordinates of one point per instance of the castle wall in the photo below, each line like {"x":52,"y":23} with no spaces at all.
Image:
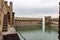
{"x":1,"y":15}
{"x":1,"y":20}
{"x":51,"y":21}
{"x":48,"y":20}
{"x":28,"y":21}
{"x":55,"y":22}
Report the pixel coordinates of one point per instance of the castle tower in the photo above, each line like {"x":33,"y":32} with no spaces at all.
{"x":1,"y":3}
{"x":11,"y":11}
{"x":1,"y":14}
{"x":6,"y":5}
{"x":59,"y":22}
{"x":48,"y":20}
{"x":1,"y":17}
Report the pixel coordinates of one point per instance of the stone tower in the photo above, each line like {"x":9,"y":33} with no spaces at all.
{"x":11,"y":11}
{"x":48,"y":20}
{"x":6,"y":10}
{"x":1,"y":17}
{"x":6,"y":5}
{"x":0,"y":4}
{"x":1,"y":14}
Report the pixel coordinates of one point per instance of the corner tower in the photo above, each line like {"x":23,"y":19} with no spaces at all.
{"x":1,"y":4}
{"x":11,"y":11}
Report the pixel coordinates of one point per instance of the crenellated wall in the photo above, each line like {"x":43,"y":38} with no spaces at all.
{"x":22,"y":21}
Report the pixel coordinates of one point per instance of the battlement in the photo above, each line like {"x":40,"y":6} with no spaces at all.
{"x":24,"y":18}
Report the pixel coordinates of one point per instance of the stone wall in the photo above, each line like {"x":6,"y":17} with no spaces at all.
{"x":48,"y":20}
{"x":55,"y":22}
{"x":1,"y":23}
{"x":0,"y":4}
{"x":28,"y":21}
{"x":51,"y":21}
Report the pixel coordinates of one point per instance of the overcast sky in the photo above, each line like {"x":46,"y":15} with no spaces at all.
{"x":35,"y":8}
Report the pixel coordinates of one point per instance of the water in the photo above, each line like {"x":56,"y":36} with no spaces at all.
{"x":49,"y":34}
{"x":43,"y":23}
{"x":38,"y":32}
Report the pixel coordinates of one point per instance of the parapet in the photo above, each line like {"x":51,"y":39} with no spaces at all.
{"x":25,"y":18}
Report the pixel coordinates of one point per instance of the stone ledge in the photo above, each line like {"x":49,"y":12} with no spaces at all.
{"x":11,"y":34}
{"x":11,"y":37}
{"x":11,"y":30}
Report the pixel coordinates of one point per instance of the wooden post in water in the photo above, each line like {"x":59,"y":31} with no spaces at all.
{"x":59,"y":22}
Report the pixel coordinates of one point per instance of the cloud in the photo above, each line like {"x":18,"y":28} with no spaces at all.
{"x":38,"y":15}
{"x":35,"y":8}
{"x":34,"y":3}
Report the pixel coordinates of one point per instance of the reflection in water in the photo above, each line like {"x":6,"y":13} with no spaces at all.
{"x":20,"y":35}
{"x":43,"y":24}
{"x":48,"y":29}
{"x":44,"y":32}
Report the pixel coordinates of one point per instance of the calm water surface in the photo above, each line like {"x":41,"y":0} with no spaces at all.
{"x":50,"y":33}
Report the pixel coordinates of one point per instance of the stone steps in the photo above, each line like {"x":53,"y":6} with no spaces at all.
{"x":5,"y":23}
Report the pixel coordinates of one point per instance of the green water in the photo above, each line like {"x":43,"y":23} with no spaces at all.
{"x":37,"y":33}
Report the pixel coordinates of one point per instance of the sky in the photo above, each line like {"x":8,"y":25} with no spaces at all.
{"x":35,"y":8}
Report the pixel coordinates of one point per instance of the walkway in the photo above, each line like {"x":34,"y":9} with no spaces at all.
{"x":11,"y":34}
